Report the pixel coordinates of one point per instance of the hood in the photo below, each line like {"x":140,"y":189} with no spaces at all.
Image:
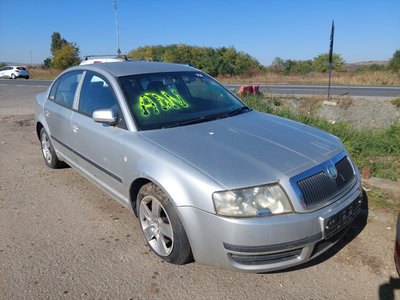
{"x":248,"y":149}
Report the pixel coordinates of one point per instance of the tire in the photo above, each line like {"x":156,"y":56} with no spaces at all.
{"x":49,"y":154}
{"x":161,"y":226}
{"x":13,"y":76}
{"x":27,"y":77}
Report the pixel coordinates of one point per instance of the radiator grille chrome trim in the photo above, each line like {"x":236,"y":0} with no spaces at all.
{"x":316,"y":188}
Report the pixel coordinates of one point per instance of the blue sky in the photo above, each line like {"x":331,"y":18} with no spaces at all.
{"x":364,"y":30}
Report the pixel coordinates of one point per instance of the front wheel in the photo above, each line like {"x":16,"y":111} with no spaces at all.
{"x":49,"y":154}
{"x":161,"y":226}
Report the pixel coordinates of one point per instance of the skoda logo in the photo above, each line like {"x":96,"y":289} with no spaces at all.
{"x":332,"y":172}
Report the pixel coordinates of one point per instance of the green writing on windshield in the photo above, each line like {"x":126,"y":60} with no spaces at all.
{"x":153,"y":103}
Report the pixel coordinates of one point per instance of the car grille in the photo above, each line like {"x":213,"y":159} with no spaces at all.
{"x":320,"y":187}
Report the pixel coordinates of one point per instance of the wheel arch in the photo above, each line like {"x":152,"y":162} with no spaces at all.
{"x":173,"y":218}
{"x":134,"y":190}
{"x":39,"y":127}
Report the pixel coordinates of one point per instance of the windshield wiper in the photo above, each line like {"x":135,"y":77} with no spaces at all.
{"x":238,"y":111}
{"x":196,"y":120}
{"x":209,"y":118}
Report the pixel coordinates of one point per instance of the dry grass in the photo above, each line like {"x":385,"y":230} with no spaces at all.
{"x":396,"y":102}
{"x":39,"y":73}
{"x":343,"y":78}
{"x":382,"y":199}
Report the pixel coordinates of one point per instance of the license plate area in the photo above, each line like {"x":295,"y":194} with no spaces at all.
{"x":341,"y":219}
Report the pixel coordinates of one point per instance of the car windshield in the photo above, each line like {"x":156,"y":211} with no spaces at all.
{"x":165,"y":100}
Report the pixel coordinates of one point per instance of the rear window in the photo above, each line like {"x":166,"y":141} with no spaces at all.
{"x":21,"y":68}
{"x":66,"y":88}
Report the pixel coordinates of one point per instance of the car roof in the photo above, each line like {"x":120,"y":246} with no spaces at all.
{"x":134,"y":67}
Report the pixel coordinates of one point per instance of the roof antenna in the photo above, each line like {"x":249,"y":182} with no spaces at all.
{"x":116,"y":26}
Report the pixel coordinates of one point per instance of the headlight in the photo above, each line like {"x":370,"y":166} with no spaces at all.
{"x":251,"y":202}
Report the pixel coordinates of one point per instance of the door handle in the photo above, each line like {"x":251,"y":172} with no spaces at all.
{"x":46,"y":113}
{"x":75,"y":128}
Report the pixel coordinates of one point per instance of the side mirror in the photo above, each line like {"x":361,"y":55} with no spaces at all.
{"x":105,"y":116}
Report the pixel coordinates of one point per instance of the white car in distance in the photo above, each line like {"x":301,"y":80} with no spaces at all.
{"x":14,"y":72}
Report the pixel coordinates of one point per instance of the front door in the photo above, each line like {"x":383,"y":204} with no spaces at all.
{"x":98,"y":145}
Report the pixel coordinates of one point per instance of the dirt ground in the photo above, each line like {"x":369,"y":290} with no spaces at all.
{"x":62,"y":237}
{"x":359,"y":112}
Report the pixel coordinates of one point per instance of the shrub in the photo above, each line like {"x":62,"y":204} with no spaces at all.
{"x":214,"y":61}
{"x":370,"y":68}
{"x":396,"y":102}
{"x":394,"y":63}
{"x":321,"y":63}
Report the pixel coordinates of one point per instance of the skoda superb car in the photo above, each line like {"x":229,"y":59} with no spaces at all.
{"x":209,"y":178}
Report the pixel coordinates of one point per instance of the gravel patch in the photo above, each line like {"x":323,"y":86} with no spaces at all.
{"x":358,"y":112}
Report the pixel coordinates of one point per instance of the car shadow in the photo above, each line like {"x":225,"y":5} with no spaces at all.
{"x":63,"y":165}
{"x":386,"y":290}
{"x":355,"y":229}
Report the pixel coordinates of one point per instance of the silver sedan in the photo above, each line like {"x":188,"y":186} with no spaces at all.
{"x":209,"y":178}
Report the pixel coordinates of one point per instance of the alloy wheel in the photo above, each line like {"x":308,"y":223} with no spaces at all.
{"x":156,"y":225}
{"x":46,"y":148}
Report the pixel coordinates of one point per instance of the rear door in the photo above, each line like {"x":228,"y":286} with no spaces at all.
{"x":58,"y":111}
{"x":97,"y":145}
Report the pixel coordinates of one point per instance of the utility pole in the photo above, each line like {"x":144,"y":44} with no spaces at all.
{"x":30,"y":53}
{"x":330,"y":57}
{"x":116,"y":26}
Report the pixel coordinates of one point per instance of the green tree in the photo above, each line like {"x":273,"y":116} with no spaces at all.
{"x":321,"y":63}
{"x":153,"y":53}
{"x":213,"y":61}
{"x":278,"y":65}
{"x":57,"y":42}
{"x":64,"y":54}
{"x":301,"y":67}
{"x":180,"y":54}
{"x":394,"y":63}
{"x":244,"y":63}
{"x":47,"y":63}
{"x":65,"y":57}
{"x":225,"y":59}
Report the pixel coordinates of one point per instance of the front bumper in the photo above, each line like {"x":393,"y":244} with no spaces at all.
{"x":268,"y":243}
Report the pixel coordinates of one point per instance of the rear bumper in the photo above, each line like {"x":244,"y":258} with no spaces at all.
{"x":268,"y":243}
{"x":22,"y":75}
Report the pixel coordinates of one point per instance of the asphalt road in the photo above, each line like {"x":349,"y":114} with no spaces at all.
{"x":63,"y":237}
{"x":283,"y":89}
{"x":336,"y":90}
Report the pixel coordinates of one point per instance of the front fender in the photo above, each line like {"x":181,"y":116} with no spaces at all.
{"x":184,"y":184}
